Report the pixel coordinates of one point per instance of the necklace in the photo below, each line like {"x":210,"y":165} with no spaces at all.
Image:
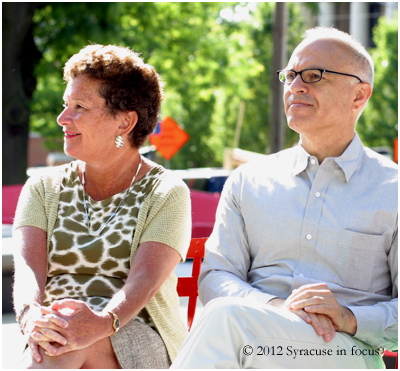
{"x":116,"y":210}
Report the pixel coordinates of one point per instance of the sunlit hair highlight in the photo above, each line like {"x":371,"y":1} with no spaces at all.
{"x":359,"y":54}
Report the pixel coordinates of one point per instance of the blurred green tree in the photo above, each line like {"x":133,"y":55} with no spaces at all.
{"x":378,"y":125}
{"x":211,"y":56}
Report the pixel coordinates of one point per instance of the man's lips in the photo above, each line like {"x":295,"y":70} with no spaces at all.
{"x":298,"y":103}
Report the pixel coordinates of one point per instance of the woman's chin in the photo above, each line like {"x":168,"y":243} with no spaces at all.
{"x":71,"y":153}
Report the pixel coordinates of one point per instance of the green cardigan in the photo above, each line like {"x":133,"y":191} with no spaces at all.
{"x":165,"y":216}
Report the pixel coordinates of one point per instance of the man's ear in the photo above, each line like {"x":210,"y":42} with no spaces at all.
{"x":128,"y":122}
{"x":363,"y":93}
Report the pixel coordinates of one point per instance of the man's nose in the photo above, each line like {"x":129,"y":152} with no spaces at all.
{"x":298,"y":85}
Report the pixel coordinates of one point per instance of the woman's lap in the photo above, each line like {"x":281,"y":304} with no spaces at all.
{"x":139,"y":346}
{"x":135,"y":346}
{"x":98,"y":355}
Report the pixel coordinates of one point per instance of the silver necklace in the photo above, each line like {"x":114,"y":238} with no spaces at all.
{"x":116,"y":210}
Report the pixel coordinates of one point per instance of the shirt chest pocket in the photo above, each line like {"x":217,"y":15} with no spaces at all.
{"x":360,"y":256}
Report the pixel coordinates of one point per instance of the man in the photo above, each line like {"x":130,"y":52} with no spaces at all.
{"x":301,"y":268}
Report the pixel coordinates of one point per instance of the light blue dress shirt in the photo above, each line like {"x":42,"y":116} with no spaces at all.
{"x":286,"y":221}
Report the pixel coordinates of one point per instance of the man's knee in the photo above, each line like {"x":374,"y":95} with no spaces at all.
{"x":244,"y":314}
{"x":227,"y":307}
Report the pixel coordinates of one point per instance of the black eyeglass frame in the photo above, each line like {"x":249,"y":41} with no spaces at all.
{"x":314,"y":69}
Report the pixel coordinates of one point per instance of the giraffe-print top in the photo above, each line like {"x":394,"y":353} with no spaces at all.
{"x":164,"y":216}
{"x":85,"y":266}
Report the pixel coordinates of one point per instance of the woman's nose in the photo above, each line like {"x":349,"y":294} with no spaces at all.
{"x":62,"y":118}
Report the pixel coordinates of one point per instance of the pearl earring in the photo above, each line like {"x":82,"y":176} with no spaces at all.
{"x":119,"y":141}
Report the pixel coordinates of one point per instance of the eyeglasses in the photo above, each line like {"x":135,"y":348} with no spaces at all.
{"x":308,"y":76}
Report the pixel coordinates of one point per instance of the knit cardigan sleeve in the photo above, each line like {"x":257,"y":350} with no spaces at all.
{"x":38,"y":201}
{"x":165,"y":217}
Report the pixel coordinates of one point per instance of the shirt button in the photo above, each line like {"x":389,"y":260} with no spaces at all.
{"x":309,"y":237}
{"x":313,"y":161}
{"x":317,"y":194}
{"x":301,"y":275}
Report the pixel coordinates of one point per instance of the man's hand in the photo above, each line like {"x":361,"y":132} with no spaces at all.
{"x":322,"y":324}
{"x":318,"y":299}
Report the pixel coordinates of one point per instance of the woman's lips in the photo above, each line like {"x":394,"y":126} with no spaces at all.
{"x":68,"y":134}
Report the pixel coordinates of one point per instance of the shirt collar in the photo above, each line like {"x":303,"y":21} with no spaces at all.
{"x":301,"y":161}
{"x":347,"y":162}
{"x":351,"y":157}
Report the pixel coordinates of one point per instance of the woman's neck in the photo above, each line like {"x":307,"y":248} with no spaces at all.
{"x":105,"y":179}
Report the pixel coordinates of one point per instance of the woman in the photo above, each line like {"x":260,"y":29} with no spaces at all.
{"x":99,"y":238}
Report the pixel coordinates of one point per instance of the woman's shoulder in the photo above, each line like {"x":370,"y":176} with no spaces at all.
{"x":52,"y":175}
{"x":167,"y":181}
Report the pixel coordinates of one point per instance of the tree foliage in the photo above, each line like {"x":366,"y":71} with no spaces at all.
{"x":211,"y":56}
{"x":378,"y":125}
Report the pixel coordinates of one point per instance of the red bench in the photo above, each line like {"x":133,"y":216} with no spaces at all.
{"x":10,"y":195}
{"x":188,"y":286}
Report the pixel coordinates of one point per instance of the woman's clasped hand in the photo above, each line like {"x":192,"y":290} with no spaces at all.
{"x":65,"y":326}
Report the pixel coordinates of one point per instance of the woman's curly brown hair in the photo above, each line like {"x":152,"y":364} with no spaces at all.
{"x":128,"y":84}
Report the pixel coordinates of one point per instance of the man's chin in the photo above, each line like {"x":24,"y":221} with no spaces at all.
{"x":297,"y":125}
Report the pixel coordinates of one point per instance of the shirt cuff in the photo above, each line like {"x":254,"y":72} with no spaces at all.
{"x":369,"y":320}
{"x":261,"y":296}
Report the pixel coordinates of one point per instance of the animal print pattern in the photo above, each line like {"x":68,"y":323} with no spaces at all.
{"x":84,"y":266}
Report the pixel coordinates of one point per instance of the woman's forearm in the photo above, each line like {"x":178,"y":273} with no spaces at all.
{"x":27,"y":287}
{"x":131,"y":299}
{"x":30,"y":261}
{"x":152,"y":265}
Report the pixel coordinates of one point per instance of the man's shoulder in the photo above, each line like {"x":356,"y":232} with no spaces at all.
{"x":380,"y":165}
{"x":282,"y":160}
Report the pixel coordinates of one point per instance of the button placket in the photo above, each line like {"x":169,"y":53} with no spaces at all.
{"x":311,"y":220}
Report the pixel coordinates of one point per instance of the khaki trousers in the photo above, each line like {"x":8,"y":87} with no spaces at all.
{"x":237,"y":333}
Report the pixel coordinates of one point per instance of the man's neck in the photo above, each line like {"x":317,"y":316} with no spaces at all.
{"x":326,"y":147}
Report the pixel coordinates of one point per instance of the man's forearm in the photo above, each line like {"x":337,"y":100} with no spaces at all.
{"x":219,"y":283}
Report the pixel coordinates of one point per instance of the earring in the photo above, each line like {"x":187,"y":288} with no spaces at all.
{"x":119,"y":141}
